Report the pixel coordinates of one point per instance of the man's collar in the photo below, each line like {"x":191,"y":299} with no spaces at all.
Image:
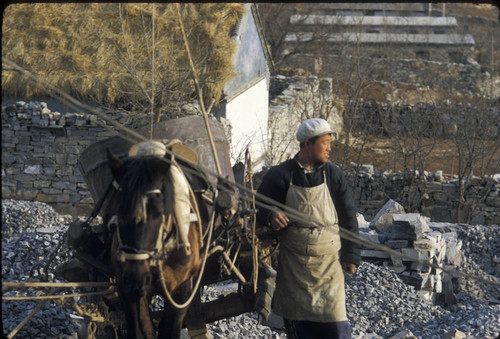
{"x":307,"y":168}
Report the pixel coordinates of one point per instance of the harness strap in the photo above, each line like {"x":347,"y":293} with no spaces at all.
{"x":123,"y":256}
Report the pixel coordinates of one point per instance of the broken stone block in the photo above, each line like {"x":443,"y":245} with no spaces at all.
{"x":382,"y":222}
{"x":427,"y":295}
{"x":454,"y":334}
{"x":362,"y":223}
{"x":453,"y":245}
{"x":440,"y":254}
{"x":374,"y":254}
{"x":416,"y":255}
{"x":438,"y":286}
{"x":397,"y":244}
{"x":415,"y":279}
{"x":367,"y":169}
{"x":409,"y":226}
{"x":396,"y":260}
{"x":438,"y":176}
{"x":397,"y":269}
{"x":424,"y":244}
{"x":372,"y":237}
{"x":405,"y":334}
{"x":420,"y":268}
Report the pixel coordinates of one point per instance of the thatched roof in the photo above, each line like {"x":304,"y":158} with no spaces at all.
{"x":102,"y":52}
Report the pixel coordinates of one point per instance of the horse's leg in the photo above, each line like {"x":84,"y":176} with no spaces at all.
{"x":139,"y":324}
{"x":132,"y":319}
{"x":145,"y":319}
{"x":194,"y":320}
{"x":171,"y":323}
{"x":173,"y":318}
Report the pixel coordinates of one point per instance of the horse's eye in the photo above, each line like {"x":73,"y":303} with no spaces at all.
{"x":154,"y":196}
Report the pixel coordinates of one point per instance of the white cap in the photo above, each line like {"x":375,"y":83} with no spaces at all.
{"x":311,"y":128}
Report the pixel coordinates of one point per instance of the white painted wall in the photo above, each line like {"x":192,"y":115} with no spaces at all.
{"x":248,"y":114}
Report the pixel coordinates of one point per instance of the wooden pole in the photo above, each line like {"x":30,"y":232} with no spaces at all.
{"x":199,"y":90}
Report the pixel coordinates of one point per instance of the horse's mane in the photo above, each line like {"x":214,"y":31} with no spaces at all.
{"x":138,"y":174}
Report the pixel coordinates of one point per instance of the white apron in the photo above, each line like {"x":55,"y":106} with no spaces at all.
{"x":310,"y":281}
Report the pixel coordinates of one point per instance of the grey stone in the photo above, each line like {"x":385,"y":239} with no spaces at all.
{"x":410,"y":226}
{"x":396,"y":244}
{"x":413,"y":254}
{"x":374,"y":254}
{"x":34,"y":169}
{"x":405,"y":334}
{"x":454,"y":334}
{"x":367,"y":169}
{"x":478,"y":219}
{"x":382,"y":222}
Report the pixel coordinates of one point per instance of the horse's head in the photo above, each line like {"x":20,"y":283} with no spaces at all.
{"x":139,"y":219}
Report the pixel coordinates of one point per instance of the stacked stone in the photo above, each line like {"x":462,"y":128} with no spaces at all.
{"x":417,"y":243}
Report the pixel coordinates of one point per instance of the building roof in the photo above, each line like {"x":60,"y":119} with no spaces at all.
{"x":378,"y":38}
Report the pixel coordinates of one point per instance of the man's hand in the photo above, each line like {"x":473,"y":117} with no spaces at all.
{"x":349,"y":268}
{"x":278,"y":220}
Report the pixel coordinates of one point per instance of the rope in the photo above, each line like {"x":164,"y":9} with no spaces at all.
{"x":199,"y":90}
{"x":229,"y":262}
{"x":65,"y":296}
{"x":255,"y":252}
{"x":13,"y":284}
{"x":200,"y":274}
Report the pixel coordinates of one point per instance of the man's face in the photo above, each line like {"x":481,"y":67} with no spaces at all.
{"x":320,"y":150}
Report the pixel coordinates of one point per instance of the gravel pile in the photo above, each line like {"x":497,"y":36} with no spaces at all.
{"x":31,"y":231}
{"x":379,"y":304}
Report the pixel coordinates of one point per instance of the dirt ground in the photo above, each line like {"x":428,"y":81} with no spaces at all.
{"x":381,"y":153}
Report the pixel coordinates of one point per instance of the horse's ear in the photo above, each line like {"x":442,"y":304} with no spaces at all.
{"x":114,"y":163}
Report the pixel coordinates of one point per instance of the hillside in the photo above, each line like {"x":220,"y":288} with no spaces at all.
{"x":483,"y":22}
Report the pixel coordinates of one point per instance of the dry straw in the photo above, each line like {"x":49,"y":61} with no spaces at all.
{"x":102,"y":52}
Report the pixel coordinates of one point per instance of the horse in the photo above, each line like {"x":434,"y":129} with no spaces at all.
{"x":149,"y":253}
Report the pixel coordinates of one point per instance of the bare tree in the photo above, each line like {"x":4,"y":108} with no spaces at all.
{"x":477,"y":147}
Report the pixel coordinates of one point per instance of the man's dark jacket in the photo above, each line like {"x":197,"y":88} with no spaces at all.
{"x":275,"y":185}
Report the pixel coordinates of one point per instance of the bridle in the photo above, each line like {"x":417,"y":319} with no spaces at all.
{"x":126,"y":252}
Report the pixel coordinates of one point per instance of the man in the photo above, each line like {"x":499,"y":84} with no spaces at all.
{"x":310,"y":293}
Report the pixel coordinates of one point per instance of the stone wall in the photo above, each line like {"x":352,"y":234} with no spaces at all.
{"x":429,"y":194}
{"x":40,"y":149}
